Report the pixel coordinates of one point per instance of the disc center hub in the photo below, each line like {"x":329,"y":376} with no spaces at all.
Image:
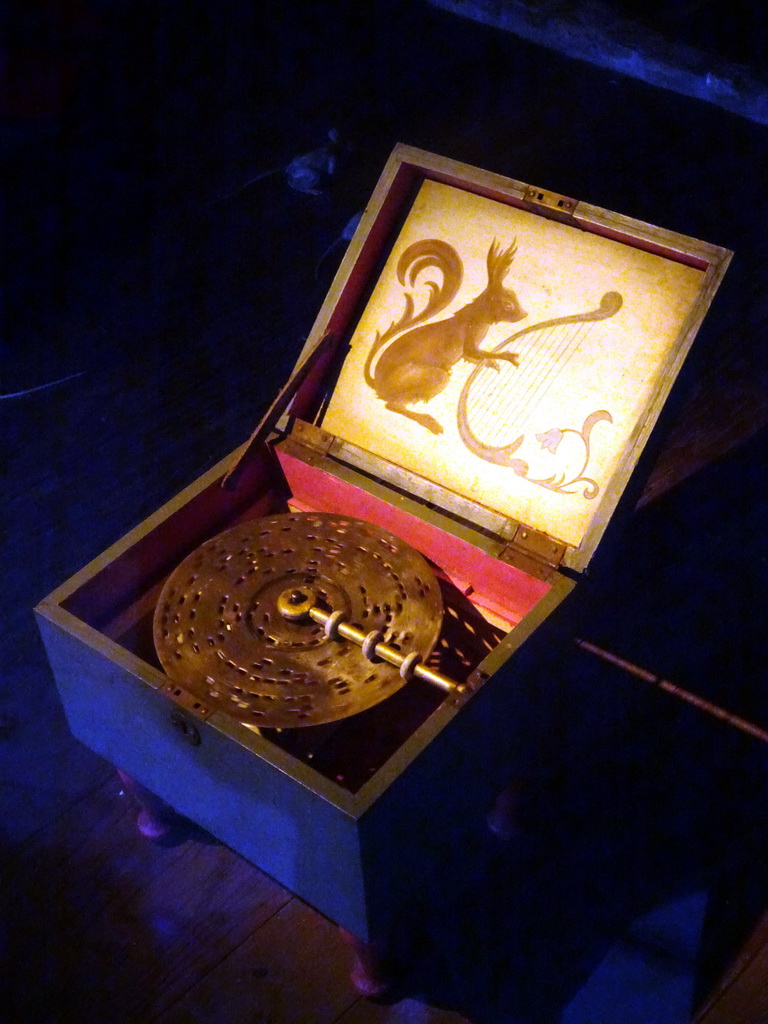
{"x":295,"y":602}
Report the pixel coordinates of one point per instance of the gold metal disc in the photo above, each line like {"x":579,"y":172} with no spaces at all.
{"x":219,"y":634}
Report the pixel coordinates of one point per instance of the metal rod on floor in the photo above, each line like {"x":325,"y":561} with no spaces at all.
{"x":676,"y":691}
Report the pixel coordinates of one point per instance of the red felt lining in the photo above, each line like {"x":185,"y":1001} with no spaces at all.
{"x":502,"y":588}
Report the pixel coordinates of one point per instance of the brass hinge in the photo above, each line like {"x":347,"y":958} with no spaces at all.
{"x":550,"y":200}
{"x":189,"y":701}
{"x":319,"y":440}
{"x":530,"y":547}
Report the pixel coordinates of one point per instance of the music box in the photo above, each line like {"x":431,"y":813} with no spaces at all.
{"x":315,"y":651}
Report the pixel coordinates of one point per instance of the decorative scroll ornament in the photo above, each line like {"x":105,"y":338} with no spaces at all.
{"x":497,"y":401}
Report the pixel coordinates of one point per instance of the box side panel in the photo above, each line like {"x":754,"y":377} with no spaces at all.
{"x":303,"y":841}
{"x":425,"y":840}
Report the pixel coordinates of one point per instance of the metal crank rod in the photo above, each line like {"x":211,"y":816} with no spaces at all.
{"x":298,"y":604}
{"x":677,"y":691}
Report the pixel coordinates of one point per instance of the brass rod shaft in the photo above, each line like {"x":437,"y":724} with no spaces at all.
{"x":429,"y":675}
{"x":385,"y":652}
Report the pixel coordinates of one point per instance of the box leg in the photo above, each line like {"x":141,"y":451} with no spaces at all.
{"x":367,"y":975}
{"x":504,"y":817}
{"x":156,"y":819}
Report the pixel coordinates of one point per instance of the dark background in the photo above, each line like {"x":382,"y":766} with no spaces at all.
{"x":137,"y":257}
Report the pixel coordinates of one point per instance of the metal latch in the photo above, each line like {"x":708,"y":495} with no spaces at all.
{"x":550,"y":200}
{"x":187,"y":729}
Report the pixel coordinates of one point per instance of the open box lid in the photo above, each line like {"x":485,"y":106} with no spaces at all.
{"x":588,"y":314}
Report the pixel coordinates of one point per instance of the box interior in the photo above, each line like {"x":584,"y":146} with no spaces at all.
{"x":483,"y":600}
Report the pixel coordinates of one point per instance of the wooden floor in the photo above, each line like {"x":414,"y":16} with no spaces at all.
{"x":104,"y":925}
{"x":139,"y":261}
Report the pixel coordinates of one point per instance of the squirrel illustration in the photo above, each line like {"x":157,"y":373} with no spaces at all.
{"x":416,"y":363}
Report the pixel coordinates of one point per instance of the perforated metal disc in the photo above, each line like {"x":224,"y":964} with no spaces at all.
{"x":218,"y":632}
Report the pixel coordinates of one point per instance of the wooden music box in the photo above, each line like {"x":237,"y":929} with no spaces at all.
{"x":316,"y":650}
